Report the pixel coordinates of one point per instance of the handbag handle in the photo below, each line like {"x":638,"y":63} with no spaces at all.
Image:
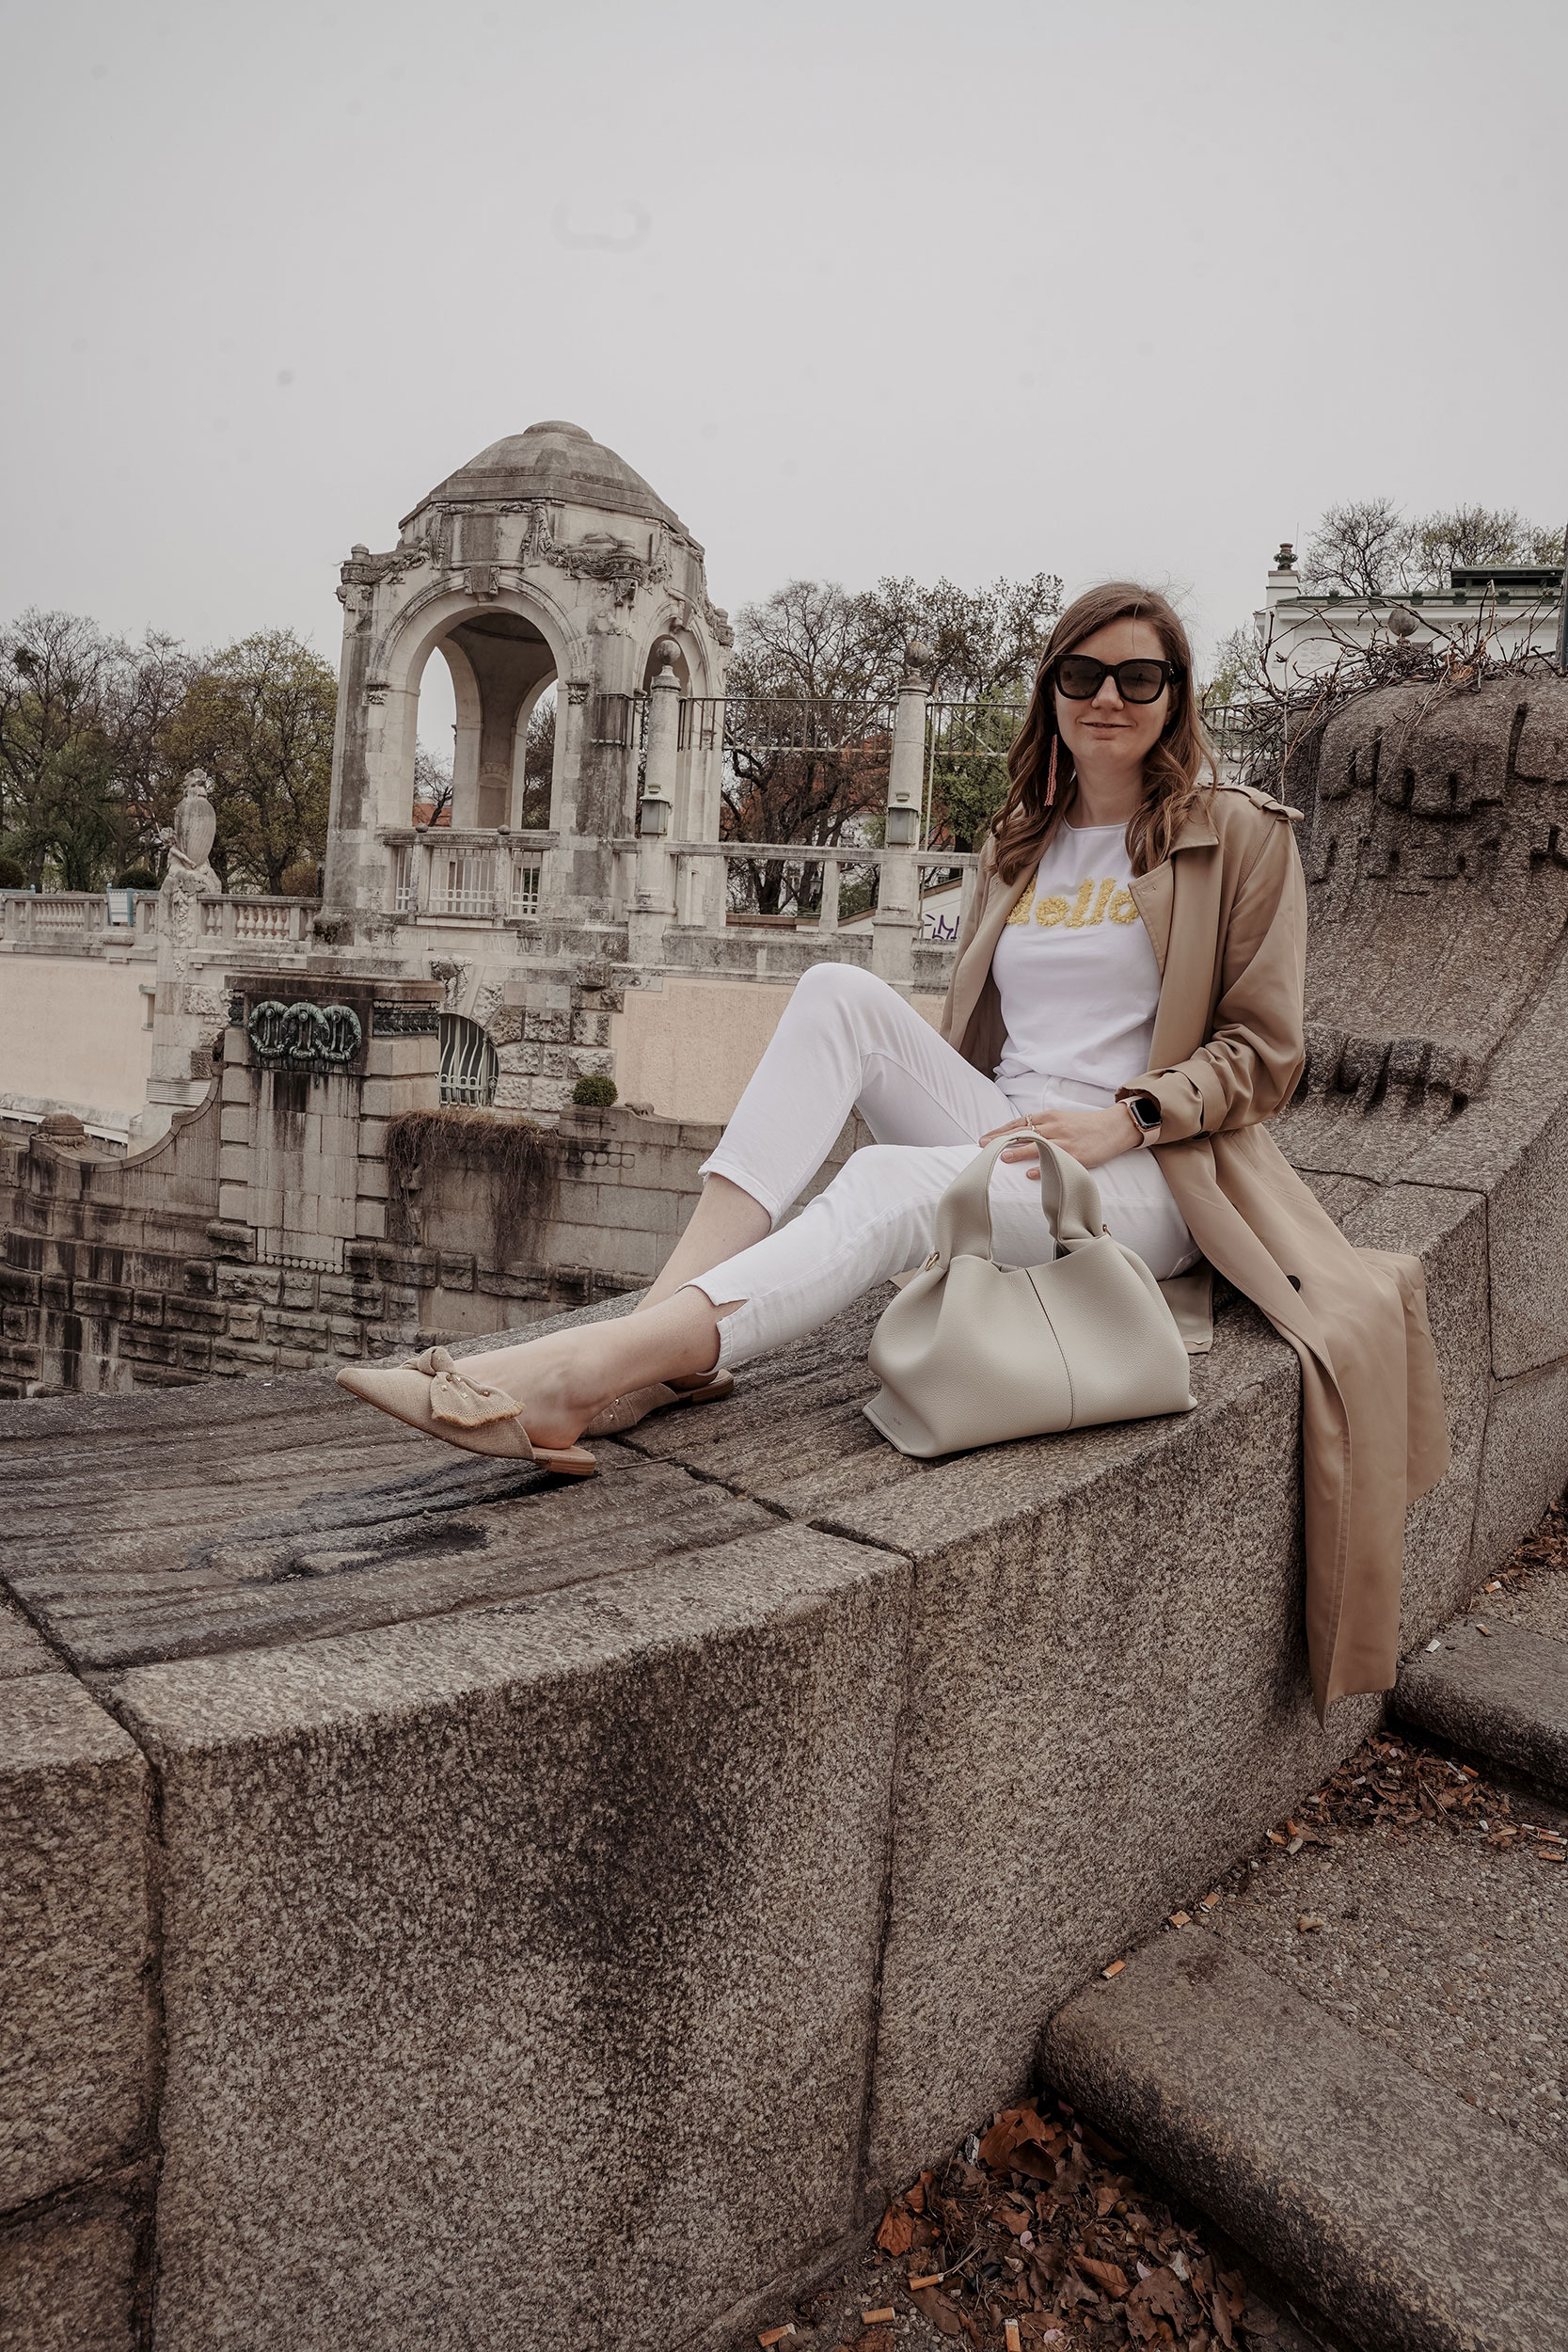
{"x":1069,"y":1198}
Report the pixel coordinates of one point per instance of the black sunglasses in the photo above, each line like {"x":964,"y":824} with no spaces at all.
{"x":1080,"y":678}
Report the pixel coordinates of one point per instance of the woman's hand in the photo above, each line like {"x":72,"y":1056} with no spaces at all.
{"x":1092,"y":1137}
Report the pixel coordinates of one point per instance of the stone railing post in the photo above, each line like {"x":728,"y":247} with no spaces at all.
{"x":897,"y":916}
{"x":827,"y":919}
{"x":653,"y":907}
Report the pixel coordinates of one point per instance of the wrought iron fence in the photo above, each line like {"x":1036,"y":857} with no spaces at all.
{"x":776,"y":723}
{"x":470,"y":1067}
{"x":618,"y":722}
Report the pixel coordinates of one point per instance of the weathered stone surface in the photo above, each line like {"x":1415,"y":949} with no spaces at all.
{"x":1522,"y":1461}
{"x":323,"y":1519}
{"x":513,"y":1961}
{"x":1452,"y":1954}
{"x":1423,"y":2224}
{"x":1508,"y":1145}
{"x":1092,"y":1671}
{"x":1502,"y":1693}
{"x":75,"y":2073}
{"x":68,"y":2275}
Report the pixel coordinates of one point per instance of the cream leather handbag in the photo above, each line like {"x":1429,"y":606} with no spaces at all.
{"x":971,"y":1353}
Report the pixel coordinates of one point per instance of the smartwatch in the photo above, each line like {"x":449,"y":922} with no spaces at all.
{"x":1146,"y":1111}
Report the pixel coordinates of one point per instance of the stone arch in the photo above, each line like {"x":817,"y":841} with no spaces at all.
{"x":521,"y":817}
{"x":510,"y":647}
{"x":465,"y":710}
{"x":696,"y":816}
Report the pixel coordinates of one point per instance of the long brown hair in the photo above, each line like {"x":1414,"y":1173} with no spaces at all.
{"x":1173,"y":772}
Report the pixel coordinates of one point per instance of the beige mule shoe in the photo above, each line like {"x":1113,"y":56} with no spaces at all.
{"x":433,"y":1395}
{"x":625,"y":1412}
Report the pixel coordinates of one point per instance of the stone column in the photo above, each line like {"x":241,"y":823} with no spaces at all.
{"x":655,"y":905}
{"x":897,"y":918}
{"x":556,"y":890}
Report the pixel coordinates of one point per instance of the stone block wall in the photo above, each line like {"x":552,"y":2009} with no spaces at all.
{"x":124,"y":1274}
{"x":624,"y":1187}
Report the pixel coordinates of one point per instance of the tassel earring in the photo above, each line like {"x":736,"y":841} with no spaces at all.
{"x":1050,"y":773}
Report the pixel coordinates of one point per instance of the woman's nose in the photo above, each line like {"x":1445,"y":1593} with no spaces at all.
{"x":1108,"y":694}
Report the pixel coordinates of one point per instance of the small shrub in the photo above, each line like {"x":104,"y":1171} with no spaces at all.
{"x":137,"y":878}
{"x":595,"y":1093}
{"x":12,"y":876}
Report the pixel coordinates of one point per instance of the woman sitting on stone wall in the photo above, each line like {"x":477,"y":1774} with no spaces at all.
{"x":1128,"y":983}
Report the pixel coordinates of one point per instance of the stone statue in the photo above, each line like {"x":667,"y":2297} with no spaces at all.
{"x":190,"y":876}
{"x":190,"y":1003}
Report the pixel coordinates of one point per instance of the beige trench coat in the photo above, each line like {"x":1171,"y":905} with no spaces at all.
{"x":1226,"y":917}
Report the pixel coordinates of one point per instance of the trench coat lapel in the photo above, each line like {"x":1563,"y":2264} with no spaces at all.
{"x":1178,"y":903}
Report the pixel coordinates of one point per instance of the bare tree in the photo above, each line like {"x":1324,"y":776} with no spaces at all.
{"x":1477,"y":535}
{"x":1370,"y":548}
{"x":539,"y":762}
{"x":809,"y":718}
{"x":1365,"y":546}
{"x":806,"y":726}
{"x":431,"y":787}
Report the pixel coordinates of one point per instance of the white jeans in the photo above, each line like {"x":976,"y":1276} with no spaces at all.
{"x":848,"y":1042}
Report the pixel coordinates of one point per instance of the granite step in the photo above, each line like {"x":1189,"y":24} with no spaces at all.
{"x":1416,"y":2221}
{"x":1497,"y":1690}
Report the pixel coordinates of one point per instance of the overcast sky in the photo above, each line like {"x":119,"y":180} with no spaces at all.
{"x":1130,"y":287}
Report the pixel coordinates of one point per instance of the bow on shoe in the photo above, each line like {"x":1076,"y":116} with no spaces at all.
{"x":454,"y":1397}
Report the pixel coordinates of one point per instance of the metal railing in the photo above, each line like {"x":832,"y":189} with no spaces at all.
{"x":618,"y":722}
{"x":705,"y":911}
{"x":764,"y":725}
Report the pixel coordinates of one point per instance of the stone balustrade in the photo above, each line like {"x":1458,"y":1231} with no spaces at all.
{"x":76,"y":920}
{"x":439,"y":873}
{"x":244,"y":921}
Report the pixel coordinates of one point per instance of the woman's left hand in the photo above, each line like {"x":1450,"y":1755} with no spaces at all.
{"x":1092,"y":1137}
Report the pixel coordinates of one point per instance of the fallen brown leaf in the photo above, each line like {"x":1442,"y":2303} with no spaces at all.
{"x":1109,"y":2276}
{"x":897,"y":2234}
{"x":942,"y":2315}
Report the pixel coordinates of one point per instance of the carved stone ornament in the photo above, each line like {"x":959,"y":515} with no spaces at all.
{"x":319,"y":1039}
{"x":717,"y":621}
{"x":452,"y":971}
{"x":392,"y":1020}
{"x":538,"y":541}
{"x":614,"y":563}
